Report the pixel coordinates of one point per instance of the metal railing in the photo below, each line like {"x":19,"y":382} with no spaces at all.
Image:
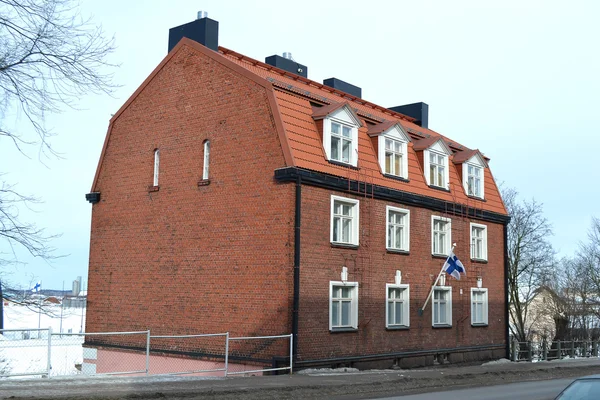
{"x":50,"y":354}
{"x":291,"y":346}
{"x":555,"y":350}
{"x":167,"y":351}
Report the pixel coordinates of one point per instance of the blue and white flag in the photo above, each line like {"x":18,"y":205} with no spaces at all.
{"x":454,"y":267}
{"x":37,"y":287}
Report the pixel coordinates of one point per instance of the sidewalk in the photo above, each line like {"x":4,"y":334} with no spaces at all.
{"x":326,"y":384}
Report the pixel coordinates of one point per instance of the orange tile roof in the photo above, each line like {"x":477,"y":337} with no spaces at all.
{"x":294,"y":95}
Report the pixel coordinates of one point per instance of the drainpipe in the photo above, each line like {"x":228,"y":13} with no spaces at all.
{"x":296,"y":304}
{"x":506,"y":305}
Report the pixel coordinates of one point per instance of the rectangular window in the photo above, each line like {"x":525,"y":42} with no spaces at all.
{"x":437,"y":169}
{"x":479,"y":306}
{"x":344,"y":220}
{"x":474,"y":174}
{"x":442,"y":306}
{"x":394,"y":152}
{"x":396,"y":313}
{"x":206,"y":159}
{"x":341,"y":142}
{"x":440,"y":235}
{"x":156,"y":166}
{"x":343,"y":305}
{"x":398,"y":224}
{"x":478,"y":242}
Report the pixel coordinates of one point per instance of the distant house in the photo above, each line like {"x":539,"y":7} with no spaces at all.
{"x":52,"y":300}
{"x":234,"y":195}
{"x":545,"y":308}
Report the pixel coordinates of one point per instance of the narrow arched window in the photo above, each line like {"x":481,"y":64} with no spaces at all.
{"x":156,"y":166}
{"x":206,"y":159}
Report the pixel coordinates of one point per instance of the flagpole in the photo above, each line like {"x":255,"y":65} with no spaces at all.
{"x":436,"y":281}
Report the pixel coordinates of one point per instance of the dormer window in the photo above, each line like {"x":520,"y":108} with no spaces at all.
{"x":437,"y":169}
{"x":340,"y":133}
{"x":435,"y":161}
{"x":472,"y":164}
{"x":391,"y":144}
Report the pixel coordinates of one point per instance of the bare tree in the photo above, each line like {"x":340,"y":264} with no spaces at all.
{"x":49,"y":57}
{"x":530,"y":255}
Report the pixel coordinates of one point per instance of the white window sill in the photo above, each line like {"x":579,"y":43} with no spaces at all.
{"x":346,"y":245}
{"x":442,"y":326}
{"x":397,"y":327}
{"x":343,"y":329}
{"x":398,"y":251}
{"x":479,"y":324}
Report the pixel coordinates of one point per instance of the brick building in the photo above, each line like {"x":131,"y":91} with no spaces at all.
{"x":236,"y":195}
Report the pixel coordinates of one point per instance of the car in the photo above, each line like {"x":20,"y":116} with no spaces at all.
{"x":584,"y":388}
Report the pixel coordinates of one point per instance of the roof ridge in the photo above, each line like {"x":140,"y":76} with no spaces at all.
{"x":310,"y":82}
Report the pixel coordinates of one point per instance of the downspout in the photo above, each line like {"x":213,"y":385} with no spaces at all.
{"x":296,"y":303}
{"x":506,"y":304}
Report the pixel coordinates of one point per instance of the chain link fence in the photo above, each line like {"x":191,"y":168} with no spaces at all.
{"x":40,"y":352}
{"x":189,"y":354}
{"x":24,"y":352}
{"x":254,"y":352}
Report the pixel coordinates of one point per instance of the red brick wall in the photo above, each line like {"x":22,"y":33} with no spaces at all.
{"x":189,"y":259}
{"x":372,"y":267}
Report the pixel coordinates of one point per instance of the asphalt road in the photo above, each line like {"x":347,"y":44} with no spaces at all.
{"x":537,"y":390}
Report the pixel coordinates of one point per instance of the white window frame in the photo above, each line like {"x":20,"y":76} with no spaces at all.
{"x":439,"y":149}
{"x":436,"y":303}
{"x":484,"y":304}
{"x":156,"y":166}
{"x":206,"y":160}
{"x":484,"y":240}
{"x":405,"y":323}
{"x":467,"y":178}
{"x":443,"y":165}
{"x":354,"y":228}
{"x":343,"y":117}
{"x":477,"y":162}
{"x":406,"y":229}
{"x":353,"y":306}
{"x":448,"y":235}
{"x":396,"y":134}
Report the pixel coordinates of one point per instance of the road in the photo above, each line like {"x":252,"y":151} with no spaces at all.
{"x":537,"y":390}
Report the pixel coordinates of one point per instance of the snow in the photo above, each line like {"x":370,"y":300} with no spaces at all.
{"x":496,"y":362}
{"x":24,"y":351}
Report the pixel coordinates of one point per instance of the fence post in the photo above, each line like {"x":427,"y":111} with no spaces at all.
{"x":529,"y":351}
{"x":49,"y":366}
{"x":595,"y":348}
{"x":148,"y":352}
{"x":572,"y":349}
{"x":544,"y":350}
{"x":558,"y":350}
{"x":226,"y":353}
{"x":291,"y":352}
{"x":515,"y":353}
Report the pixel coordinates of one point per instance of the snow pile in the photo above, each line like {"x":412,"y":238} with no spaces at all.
{"x":25,"y":352}
{"x":327,"y":371}
{"x":498,"y":362}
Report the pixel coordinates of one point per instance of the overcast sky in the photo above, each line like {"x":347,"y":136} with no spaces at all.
{"x":518,"y":80}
